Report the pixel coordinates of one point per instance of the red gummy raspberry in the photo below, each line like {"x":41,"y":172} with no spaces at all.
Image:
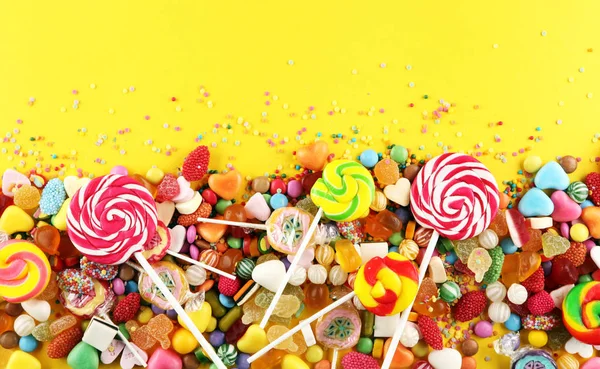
{"x":540,"y":303}
{"x":195,"y":164}
{"x":535,"y":282}
{"x":127,"y":308}
{"x":592,"y":181}
{"x":430,"y":331}
{"x":470,"y":306}
{"x":167,"y":189}
{"x":356,"y":360}
{"x":229,"y":287}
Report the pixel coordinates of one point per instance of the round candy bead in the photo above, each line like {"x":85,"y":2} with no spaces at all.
{"x":23,"y":325}
{"x":145,"y":315}
{"x":337,"y":276}
{"x":364,"y":345}
{"x":395,"y":238}
{"x":579,"y":232}
{"x":119,"y":169}
{"x":183,"y":341}
{"x":216,"y":338}
{"x":154,"y":175}
{"x":131,"y":287}
{"x":195,"y":275}
{"x":278,"y":201}
{"x":317,"y":274}
{"x":210,"y":196}
{"x":314,"y":354}
{"x":242,"y":361}
{"x":369,"y":158}
{"x":513,"y":323}
{"x":244,"y":268}
{"x":421,"y":349}
{"x":567,"y":361}
{"x":156,"y":310}
{"x":508,"y":246}
{"x":537,"y":338}
{"x":278,"y":186}
{"x":226,"y":301}
{"x":451,"y":258}
{"x":517,"y":294}
{"x":399,"y":154}
{"x":470,"y":347}
{"x":222,"y":205}
{"x":28,"y":343}
{"x":483,"y":329}
{"x":532,"y":164}
{"x":294,"y":188}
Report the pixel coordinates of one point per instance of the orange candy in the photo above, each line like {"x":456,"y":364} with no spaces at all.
{"x":313,"y":156}
{"x":387,"y":172}
{"x":504,"y":200}
{"x":226,"y":185}
{"x":6,"y":322}
{"x":347,"y":256}
{"x":535,"y":241}
{"x":317,"y":296}
{"x":519,"y":267}
{"x":229,"y":259}
{"x":269,"y":360}
{"x":47,"y":238}
{"x":383,"y":225}
{"x":403,"y":357}
{"x":235,"y":213}
{"x":591,"y":218}
{"x":469,"y":362}
{"x":211,"y":232}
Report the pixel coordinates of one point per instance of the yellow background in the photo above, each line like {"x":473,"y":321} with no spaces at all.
{"x":494,"y":61}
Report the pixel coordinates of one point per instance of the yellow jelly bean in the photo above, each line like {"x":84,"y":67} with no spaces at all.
{"x":314,"y":354}
{"x":201,"y":318}
{"x":212,"y":324}
{"x":145,"y":315}
{"x":253,"y":340}
{"x":532,"y":164}
{"x":183,"y":341}
{"x":579,"y":232}
{"x":293,"y":362}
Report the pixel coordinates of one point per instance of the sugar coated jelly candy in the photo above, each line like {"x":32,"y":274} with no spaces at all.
{"x":554,"y":244}
{"x":479,"y":262}
{"x":499,"y":225}
{"x":535,"y":241}
{"x":387,"y":172}
{"x":42,"y":333}
{"x":277,"y":331}
{"x":26,"y":197}
{"x":347,"y":256}
{"x":62,"y":324}
{"x":464,"y":248}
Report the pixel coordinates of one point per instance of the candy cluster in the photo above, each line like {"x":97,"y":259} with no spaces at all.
{"x":530,"y":266}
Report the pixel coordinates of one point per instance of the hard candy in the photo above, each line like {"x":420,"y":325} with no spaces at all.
{"x":59,"y":220}
{"x":591,"y":218}
{"x":73,"y":184}
{"x":189,"y":206}
{"x":499,"y":312}
{"x":399,"y":192}
{"x":517,"y":294}
{"x":565,"y":209}
{"x":183,"y":341}
{"x":578,"y":192}
{"x":83,"y":356}
{"x":165,"y":359}
{"x":178,"y":236}
{"x":270,"y":274}
{"x":28,"y":343}
{"x":293,"y":362}
{"x":253,"y":340}
{"x":552,"y":176}
{"x":185,"y":191}
{"x":23,"y":325}
{"x":38,"y":309}
{"x":22,"y":360}
{"x":535,"y":203}
{"x":411,"y":335}
{"x":14,"y":219}
{"x":109,"y":355}
{"x":496,"y":292}
{"x":483,"y":329}
{"x":257,"y":207}
{"x":445,"y":359}
{"x":128,"y":359}
{"x":559,"y":294}
{"x":532,"y":164}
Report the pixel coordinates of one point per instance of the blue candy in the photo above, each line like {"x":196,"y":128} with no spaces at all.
{"x":451,"y":257}
{"x":552,"y":177}
{"x":242,"y":361}
{"x":278,"y":200}
{"x":131,"y":287}
{"x":226,"y":301}
{"x":536,"y":203}
{"x":53,"y":196}
{"x":586,"y":204}
{"x":28,"y":343}
{"x":513,"y":323}
{"x":216,"y":338}
{"x":508,"y":246}
{"x":369,"y":158}
{"x":393,"y":249}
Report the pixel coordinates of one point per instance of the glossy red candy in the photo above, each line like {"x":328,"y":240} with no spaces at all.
{"x":564,"y":272}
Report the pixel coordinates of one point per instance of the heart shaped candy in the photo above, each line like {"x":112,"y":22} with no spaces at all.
{"x":211,"y":232}
{"x":535,"y":203}
{"x":112,"y":352}
{"x":165,"y":211}
{"x":445,"y":359}
{"x":565,"y":209}
{"x":38,"y":309}
{"x":399,"y":192}
{"x":226,"y":185}
{"x":313,"y":156}
{"x":253,"y":340}
{"x":73,"y":184}
{"x":12,"y":178}
{"x":574,"y":346}
{"x":165,"y":359}
{"x":128,"y":360}
{"x":552,"y":176}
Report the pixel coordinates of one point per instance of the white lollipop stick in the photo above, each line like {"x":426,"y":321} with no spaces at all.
{"x":334,"y":358}
{"x":237,"y":224}
{"x":387,"y":361}
{"x":200,"y":264}
{"x":135,"y":353}
{"x":299,"y":327}
{"x":180,"y":312}
{"x":290,"y":271}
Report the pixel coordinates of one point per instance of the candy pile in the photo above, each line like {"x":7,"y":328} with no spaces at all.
{"x":350,"y":238}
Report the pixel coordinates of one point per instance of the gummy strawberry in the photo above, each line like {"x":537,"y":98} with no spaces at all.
{"x":195,"y":164}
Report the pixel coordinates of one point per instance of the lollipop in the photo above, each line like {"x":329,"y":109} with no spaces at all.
{"x":24,"y":271}
{"x":580,"y":312}
{"x":456,"y":196}
{"x":345,"y":191}
{"x":112,"y":218}
{"x":383,"y":285}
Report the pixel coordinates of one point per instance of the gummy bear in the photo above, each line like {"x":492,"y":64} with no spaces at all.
{"x":464,"y":248}
{"x":47,"y":238}
{"x":554,"y":244}
{"x":62,"y":324}
{"x":387,"y":172}
{"x":535,"y":241}
{"x":300,"y":344}
{"x":499,"y":225}
{"x":479,"y":262}
{"x":383,"y":225}
{"x":347,"y":256}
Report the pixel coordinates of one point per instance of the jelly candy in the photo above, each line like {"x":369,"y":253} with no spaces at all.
{"x":387,"y":172}
{"x":519,"y":267}
{"x":427,"y":301}
{"x":42,"y":333}
{"x":324,"y":254}
{"x":347,"y":256}
{"x":159,"y":327}
{"x":277,"y":331}
{"x":51,"y":290}
{"x":510,"y":269}
{"x":231,"y":317}
{"x":26,"y":197}
{"x":464,"y":248}
{"x":62,"y":324}
{"x":554,"y":244}
{"x":313,"y":156}
{"x":211,"y":232}
{"x":535,"y":241}
{"x":229,"y":259}
{"x":563,"y":272}
{"x":317,"y":296}
{"x":287,"y":306}
{"x":235,"y":213}
{"x":6,"y":322}
{"x":558,"y":337}
{"x":236,"y":331}
{"x":499,"y":225}
{"x":47,"y":238}
{"x":479,"y":262}
{"x":66,"y":249}
{"x":140,"y":335}
{"x":226,"y":185}
{"x":269,"y":360}
{"x":383,"y":225}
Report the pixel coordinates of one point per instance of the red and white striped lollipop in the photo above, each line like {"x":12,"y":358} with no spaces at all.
{"x":456,"y":195}
{"x":110,"y":218}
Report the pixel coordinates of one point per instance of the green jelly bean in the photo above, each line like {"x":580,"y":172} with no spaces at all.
{"x":222,"y":205}
{"x":396,"y":238}
{"x":444,"y":245}
{"x":364,"y":345}
{"x":123,"y":330}
{"x":202,"y":358}
{"x":231,"y":317}
{"x":585,"y":278}
{"x":234,"y":243}
{"x":218,"y":310}
{"x":368,"y":320}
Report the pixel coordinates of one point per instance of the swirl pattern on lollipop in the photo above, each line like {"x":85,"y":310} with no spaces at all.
{"x":386,"y":286}
{"x":456,"y":195}
{"x":345,"y":192}
{"x":110,"y":218}
{"x":24,"y":271}
{"x":581,"y":312}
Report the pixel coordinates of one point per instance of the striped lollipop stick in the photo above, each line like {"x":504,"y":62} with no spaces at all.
{"x":456,"y":196}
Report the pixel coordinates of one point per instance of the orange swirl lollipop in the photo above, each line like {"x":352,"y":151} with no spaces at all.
{"x":24,"y":271}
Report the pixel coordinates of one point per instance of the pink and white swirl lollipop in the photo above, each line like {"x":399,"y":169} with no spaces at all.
{"x":110,"y":218}
{"x":456,"y":196}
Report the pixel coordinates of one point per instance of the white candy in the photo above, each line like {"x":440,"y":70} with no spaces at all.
{"x":445,"y":359}
{"x":337,"y":276}
{"x":270,"y":274}
{"x":559,"y":294}
{"x":496,"y":292}
{"x":298,"y":276}
{"x":541,"y":222}
{"x":437,"y":272}
{"x":317,"y":274}
{"x":165,"y":211}
{"x":178,"y":236}
{"x":517,"y":294}
{"x":499,"y":312}
{"x":189,"y":206}
{"x":411,"y":335}
{"x":488,"y":239}
{"x":357,"y":304}
{"x":385,"y":326}
{"x":369,"y":250}
{"x":24,"y":325}
{"x":38,"y":309}
{"x":195,"y":275}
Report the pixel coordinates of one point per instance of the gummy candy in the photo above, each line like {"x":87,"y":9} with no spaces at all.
{"x":317,"y":295}
{"x":383,"y":225}
{"x":277,"y":331}
{"x":479,"y":262}
{"x":26,"y":197}
{"x":42,"y":333}
{"x":563,"y":272}
{"x":554,"y":244}
{"x":535,"y":241}
{"x":387,"y":172}
{"x":62,"y":324}
{"x":47,"y":238}
{"x":287,"y":306}
{"x":519,"y":267}
{"x":157,"y":329}
{"x":235,"y":213}
{"x":6,"y":322}
{"x":558,"y":337}
{"x":499,"y":225}
{"x":464,"y":248}
{"x":427,"y":301}
{"x":229,"y":259}
{"x":347,"y":256}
